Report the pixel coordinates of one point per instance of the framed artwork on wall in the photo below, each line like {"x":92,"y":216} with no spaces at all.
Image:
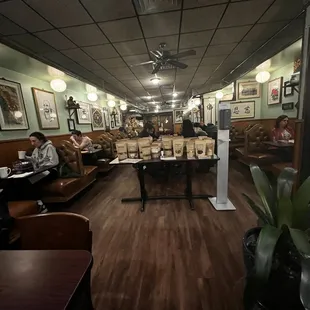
{"x":46,"y":108}
{"x":178,"y":116}
{"x":97,"y":118}
{"x":13,"y":114}
{"x":288,"y":90}
{"x":242,"y":109}
{"x":83,"y":114}
{"x":248,"y":90}
{"x":274,"y":91}
{"x":71,"y":124}
{"x":115,"y":118}
{"x":288,"y":106}
{"x":106,"y":118}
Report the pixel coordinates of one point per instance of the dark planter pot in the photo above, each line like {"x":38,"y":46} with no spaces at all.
{"x":282,"y":289}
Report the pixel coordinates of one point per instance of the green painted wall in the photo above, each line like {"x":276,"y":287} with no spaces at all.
{"x":75,"y":88}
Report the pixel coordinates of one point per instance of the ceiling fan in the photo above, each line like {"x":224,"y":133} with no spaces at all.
{"x":164,"y":58}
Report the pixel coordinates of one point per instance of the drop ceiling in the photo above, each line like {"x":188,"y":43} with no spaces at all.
{"x":99,"y":40}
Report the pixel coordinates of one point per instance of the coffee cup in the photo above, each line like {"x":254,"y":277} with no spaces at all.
{"x":21,"y":154}
{"x":4,"y":172}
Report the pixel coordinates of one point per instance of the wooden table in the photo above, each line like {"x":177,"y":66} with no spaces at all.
{"x":279,"y":144}
{"x":49,"y":280}
{"x":95,"y":151}
{"x":188,"y":194}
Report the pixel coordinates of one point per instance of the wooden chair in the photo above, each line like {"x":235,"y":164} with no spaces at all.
{"x":55,"y":231}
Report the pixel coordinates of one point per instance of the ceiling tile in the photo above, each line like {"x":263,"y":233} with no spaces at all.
{"x":119,"y":71}
{"x":109,"y":9}
{"x":136,"y":59}
{"x":61,"y":13}
{"x":215,"y":60}
{"x":122,"y":30}
{"x":21,"y":14}
{"x":248,"y":12}
{"x":103,"y":74}
{"x":31,"y":42}
{"x":191,"y":62}
{"x":57,"y":57}
{"x":112,"y":62}
{"x":282,"y":10}
{"x":171,"y":42}
{"x":206,"y":70}
{"x":188,"y":70}
{"x":101,"y":51}
{"x":55,"y":39}
{"x":195,"y":39}
{"x":132,"y":83}
{"x":131,"y":48}
{"x":244,"y":48}
{"x":77,"y":55}
{"x":125,"y":77}
{"x":91,"y":65}
{"x":199,"y":53}
{"x":161,"y":24}
{"x":9,"y":28}
{"x":223,"y":49}
{"x":229,"y":35}
{"x":198,"y":3}
{"x":202,"y":18}
{"x":85,"y":35}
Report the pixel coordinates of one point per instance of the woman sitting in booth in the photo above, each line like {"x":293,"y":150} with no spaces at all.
{"x":80,"y":141}
{"x":282,"y":131}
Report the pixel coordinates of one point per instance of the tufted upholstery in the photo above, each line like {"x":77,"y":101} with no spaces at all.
{"x":106,"y":146}
{"x":62,"y":190}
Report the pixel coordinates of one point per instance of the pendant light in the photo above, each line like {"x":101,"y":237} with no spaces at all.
{"x":58,"y":85}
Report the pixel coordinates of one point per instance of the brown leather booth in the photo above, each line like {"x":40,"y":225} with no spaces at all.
{"x":23,"y":208}
{"x":63,"y":189}
{"x":106,"y":144}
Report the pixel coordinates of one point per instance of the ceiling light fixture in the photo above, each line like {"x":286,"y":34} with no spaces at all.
{"x":123,"y":105}
{"x":58,"y":85}
{"x":91,"y":89}
{"x":111,"y":103}
{"x":156,"y":111}
{"x":92,"y":97}
{"x":262,"y":77}
{"x":219,"y":95}
{"x":155,"y":80}
{"x":148,"y":97}
{"x":110,"y":97}
{"x":173,"y":105}
{"x":174,"y":95}
{"x":55,"y":72}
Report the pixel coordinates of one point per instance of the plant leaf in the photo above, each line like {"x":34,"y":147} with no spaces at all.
{"x":305,"y":283}
{"x":265,"y":192}
{"x":285,"y":212}
{"x":301,"y":206}
{"x":285,"y":182}
{"x":301,"y":242}
{"x":266,"y":244}
{"x":257,"y":210}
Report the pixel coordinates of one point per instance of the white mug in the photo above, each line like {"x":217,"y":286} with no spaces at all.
{"x":21,"y":154}
{"x":4,"y":172}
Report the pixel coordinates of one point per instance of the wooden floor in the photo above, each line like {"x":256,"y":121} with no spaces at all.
{"x":167,"y":257}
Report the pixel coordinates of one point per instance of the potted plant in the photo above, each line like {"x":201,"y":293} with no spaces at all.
{"x":277,"y":255}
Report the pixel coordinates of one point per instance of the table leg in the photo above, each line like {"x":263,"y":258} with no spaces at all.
{"x":188,"y":190}
{"x":143,"y":192}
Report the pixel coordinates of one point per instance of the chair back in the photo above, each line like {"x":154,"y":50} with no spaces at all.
{"x":55,"y":231}
{"x":254,"y":138}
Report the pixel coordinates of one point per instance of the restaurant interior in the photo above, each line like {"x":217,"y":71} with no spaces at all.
{"x":154,"y":154}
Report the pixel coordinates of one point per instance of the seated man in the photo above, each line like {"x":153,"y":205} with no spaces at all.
{"x":80,"y":141}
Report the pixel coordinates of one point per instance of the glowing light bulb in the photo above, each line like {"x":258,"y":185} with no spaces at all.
{"x":219,"y":95}
{"x":92,"y":97}
{"x":262,"y":77}
{"x":58,"y":85}
{"x":111,"y":103}
{"x":18,"y":114}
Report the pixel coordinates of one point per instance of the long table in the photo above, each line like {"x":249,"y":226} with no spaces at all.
{"x":188,"y":194}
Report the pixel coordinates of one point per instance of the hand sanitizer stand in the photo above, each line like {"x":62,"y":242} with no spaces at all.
{"x":221,"y":201}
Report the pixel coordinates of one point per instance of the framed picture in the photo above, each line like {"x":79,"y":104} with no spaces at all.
{"x":13,"y":114}
{"x":248,"y":90}
{"x":288,"y":106}
{"x":106,"y":117}
{"x":97,"y":118}
{"x":115,"y":118}
{"x":275,"y":91}
{"x":46,"y":108}
{"x":71,"y":124}
{"x":83,"y":114}
{"x":288,"y":90}
{"x":242,"y":109}
{"x":178,"y":116}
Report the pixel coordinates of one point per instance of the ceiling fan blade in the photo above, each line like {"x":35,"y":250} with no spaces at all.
{"x":142,"y":63}
{"x":184,"y":54}
{"x":157,"y":54}
{"x":156,"y":68}
{"x":177,"y":64}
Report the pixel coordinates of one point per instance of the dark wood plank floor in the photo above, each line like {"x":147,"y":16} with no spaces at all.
{"x":167,"y":257}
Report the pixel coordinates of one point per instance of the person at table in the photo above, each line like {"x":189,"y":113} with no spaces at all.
{"x":282,"y":131}
{"x":148,"y":131}
{"x":188,"y":129}
{"x":80,"y":141}
{"x":198,"y":130}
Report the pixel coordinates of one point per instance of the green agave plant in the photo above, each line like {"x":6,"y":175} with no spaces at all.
{"x":282,"y":214}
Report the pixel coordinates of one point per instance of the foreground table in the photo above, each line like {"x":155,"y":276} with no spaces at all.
{"x":49,"y":280}
{"x":188,"y":194}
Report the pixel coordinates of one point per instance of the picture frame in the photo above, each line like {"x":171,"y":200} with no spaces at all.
{"x":46,"y":109}
{"x":242,"y":109}
{"x":115,"y":118}
{"x":71,"y":124}
{"x":97,"y":118}
{"x":106,"y":117}
{"x":13,"y":114}
{"x":248,"y":90}
{"x":178,"y":116}
{"x":288,"y":90}
{"x":288,"y":106}
{"x":83,"y":115}
{"x":274,"y":91}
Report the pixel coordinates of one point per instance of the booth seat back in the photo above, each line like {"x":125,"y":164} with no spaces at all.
{"x":254,"y":138}
{"x":71,"y":156}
